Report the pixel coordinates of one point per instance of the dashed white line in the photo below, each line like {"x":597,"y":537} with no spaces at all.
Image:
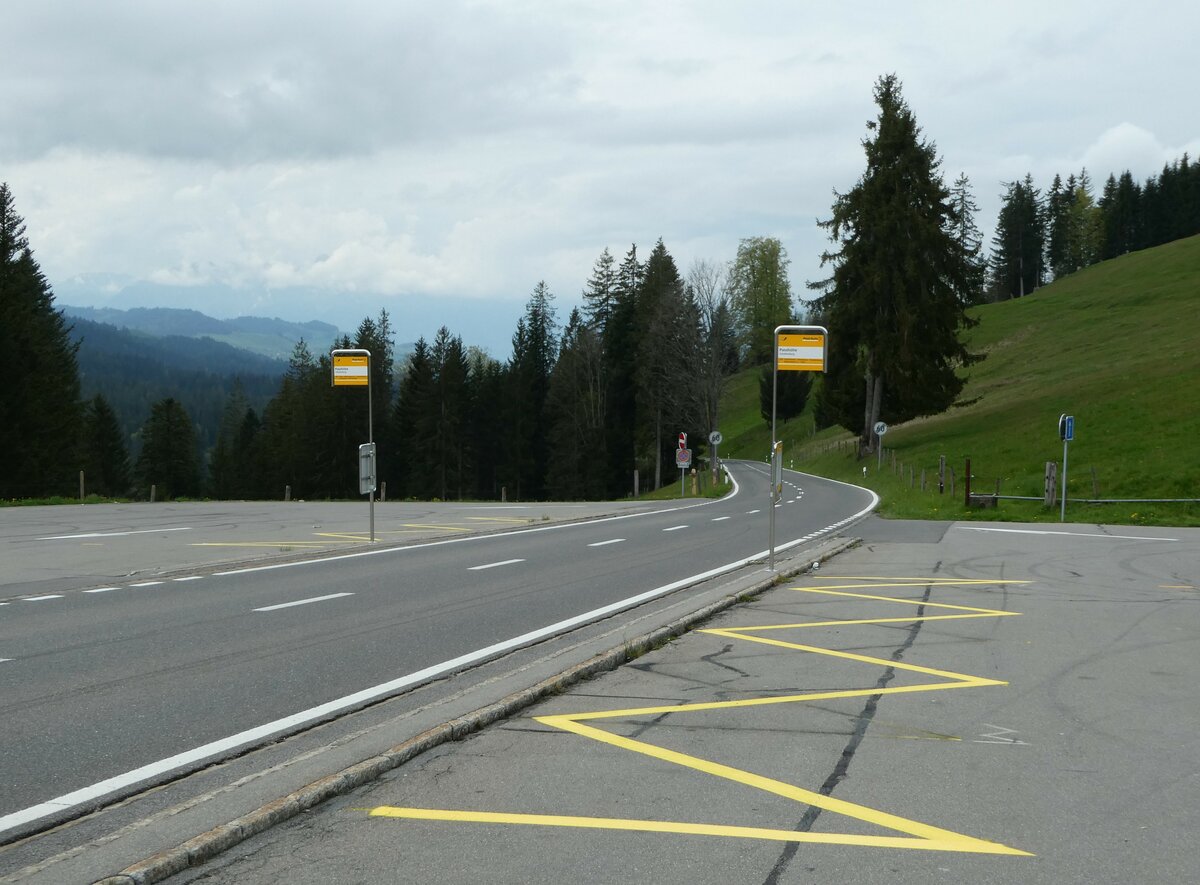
{"x":188,"y":578}
{"x":146,"y":584}
{"x":479,"y":568}
{"x":675,"y":528}
{"x":5,"y":660}
{"x":720,"y":518}
{"x":101,"y":589}
{"x":40,"y":598}
{"x":271,"y":608}
{"x":751,"y":512}
{"x":606,"y":543}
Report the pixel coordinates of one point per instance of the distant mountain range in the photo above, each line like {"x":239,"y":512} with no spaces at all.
{"x":268,"y":337}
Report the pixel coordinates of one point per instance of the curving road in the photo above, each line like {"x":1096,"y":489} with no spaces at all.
{"x":106,"y":688}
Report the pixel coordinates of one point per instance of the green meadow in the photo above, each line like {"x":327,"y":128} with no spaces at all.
{"x":1117,"y":345}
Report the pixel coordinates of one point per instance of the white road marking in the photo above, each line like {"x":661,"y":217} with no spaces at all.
{"x":479,"y":568}
{"x":146,"y":584}
{"x":40,"y":598}
{"x":101,"y":589}
{"x":606,"y":543}
{"x":750,"y":512}
{"x":675,"y":528}
{"x":971,"y":528}
{"x":188,"y":578}
{"x":112,"y":534}
{"x":251,"y":736}
{"x":5,"y":660}
{"x":720,"y":518}
{"x":271,"y":608}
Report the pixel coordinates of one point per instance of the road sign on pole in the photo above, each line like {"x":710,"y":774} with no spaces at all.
{"x":351,"y":367}
{"x":1066,"y":432}
{"x":796,"y":349}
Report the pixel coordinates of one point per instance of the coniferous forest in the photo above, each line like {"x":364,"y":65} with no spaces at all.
{"x":587,"y":399}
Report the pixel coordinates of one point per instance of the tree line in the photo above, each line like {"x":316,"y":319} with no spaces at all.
{"x":574,"y":412}
{"x":1044,"y":236}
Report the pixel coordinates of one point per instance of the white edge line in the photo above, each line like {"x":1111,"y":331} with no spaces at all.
{"x":271,"y":608}
{"x":973,"y":528}
{"x":479,"y":568}
{"x":101,"y":589}
{"x":366,"y":695}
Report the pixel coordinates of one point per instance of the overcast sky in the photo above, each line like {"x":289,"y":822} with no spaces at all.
{"x":325,"y":160}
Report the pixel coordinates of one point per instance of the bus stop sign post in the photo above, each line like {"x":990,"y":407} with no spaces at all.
{"x":351,"y":367}
{"x":796,"y":349}
{"x":1066,"y":432}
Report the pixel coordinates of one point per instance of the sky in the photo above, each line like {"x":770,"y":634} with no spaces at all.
{"x":328,"y":160}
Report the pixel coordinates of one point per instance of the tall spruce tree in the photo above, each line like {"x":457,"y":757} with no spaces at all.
{"x":168,"y":459}
{"x":620,"y":340}
{"x":40,"y":408}
{"x":1018,"y":244}
{"x":105,"y":457}
{"x":893,"y":296}
{"x":969,"y":240}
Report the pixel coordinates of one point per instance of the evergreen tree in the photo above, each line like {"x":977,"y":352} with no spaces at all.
{"x":790,"y":389}
{"x":168,"y":459}
{"x":575,"y":409}
{"x":969,"y":240}
{"x":1085,"y":227}
{"x":621,"y":341}
{"x":601,"y":292}
{"x":897,"y":271}
{"x":1019,"y":241}
{"x":411,"y":425}
{"x":1058,"y":202}
{"x":105,"y":456}
{"x":535,"y":346}
{"x":40,"y":408}
{"x":448,"y":410}
{"x":760,"y":295}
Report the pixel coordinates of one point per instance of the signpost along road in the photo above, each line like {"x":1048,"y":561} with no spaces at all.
{"x":797,"y":349}
{"x":352,"y":368}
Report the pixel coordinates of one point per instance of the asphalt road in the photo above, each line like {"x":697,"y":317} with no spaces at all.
{"x":986,"y":703}
{"x":112,"y":685}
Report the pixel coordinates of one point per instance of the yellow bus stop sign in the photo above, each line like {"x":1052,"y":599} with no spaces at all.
{"x":803,"y":352}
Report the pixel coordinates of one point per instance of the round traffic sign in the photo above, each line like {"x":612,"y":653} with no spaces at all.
{"x":715,"y":438}
{"x":880,"y":428}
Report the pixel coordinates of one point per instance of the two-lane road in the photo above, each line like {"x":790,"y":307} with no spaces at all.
{"x":109,"y":687}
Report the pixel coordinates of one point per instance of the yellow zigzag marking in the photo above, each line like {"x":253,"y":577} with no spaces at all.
{"x":918,"y":835}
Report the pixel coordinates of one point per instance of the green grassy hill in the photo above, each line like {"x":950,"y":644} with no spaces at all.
{"x":1117,"y":345}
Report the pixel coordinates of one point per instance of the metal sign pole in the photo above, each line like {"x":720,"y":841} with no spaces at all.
{"x":774,"y":452}
{"x":1062,"y":515}
{"x":351,"y":367}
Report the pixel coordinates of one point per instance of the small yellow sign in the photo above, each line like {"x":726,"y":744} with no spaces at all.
{"x":351,"y":371}
{"x":801,"y":353}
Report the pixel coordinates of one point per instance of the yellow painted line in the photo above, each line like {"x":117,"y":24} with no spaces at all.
{"x":919,"y":836}
{"x":827,"y":591}
{"x":501,"y":519}
{"x":344,"y":536}
{"x":677,"y":828}
{"x":906,"y":583}
{"x":426,"y":525}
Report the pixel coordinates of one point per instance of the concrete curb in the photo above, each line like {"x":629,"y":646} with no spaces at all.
{"x":209,"y":845}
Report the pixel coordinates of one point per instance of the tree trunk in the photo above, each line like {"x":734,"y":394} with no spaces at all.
{"x":658,"y":449}
{"x":874,"y":400}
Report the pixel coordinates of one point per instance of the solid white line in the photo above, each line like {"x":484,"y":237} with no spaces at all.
{"x":479,"y":568}
{"x":271,"y":608}
{"x":112,"y":534}
{"x":721,"y":518}
{"x":146,"y":584}
{"x":40,"y":598}
{"x":971,"y":528}
{"x":606,"y":543}
{"x":269,"y":729}
{"x":675,"y":528}
{"x":101,"y":589}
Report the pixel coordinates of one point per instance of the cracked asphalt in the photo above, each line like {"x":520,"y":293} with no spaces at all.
{"x":943,"y":703}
